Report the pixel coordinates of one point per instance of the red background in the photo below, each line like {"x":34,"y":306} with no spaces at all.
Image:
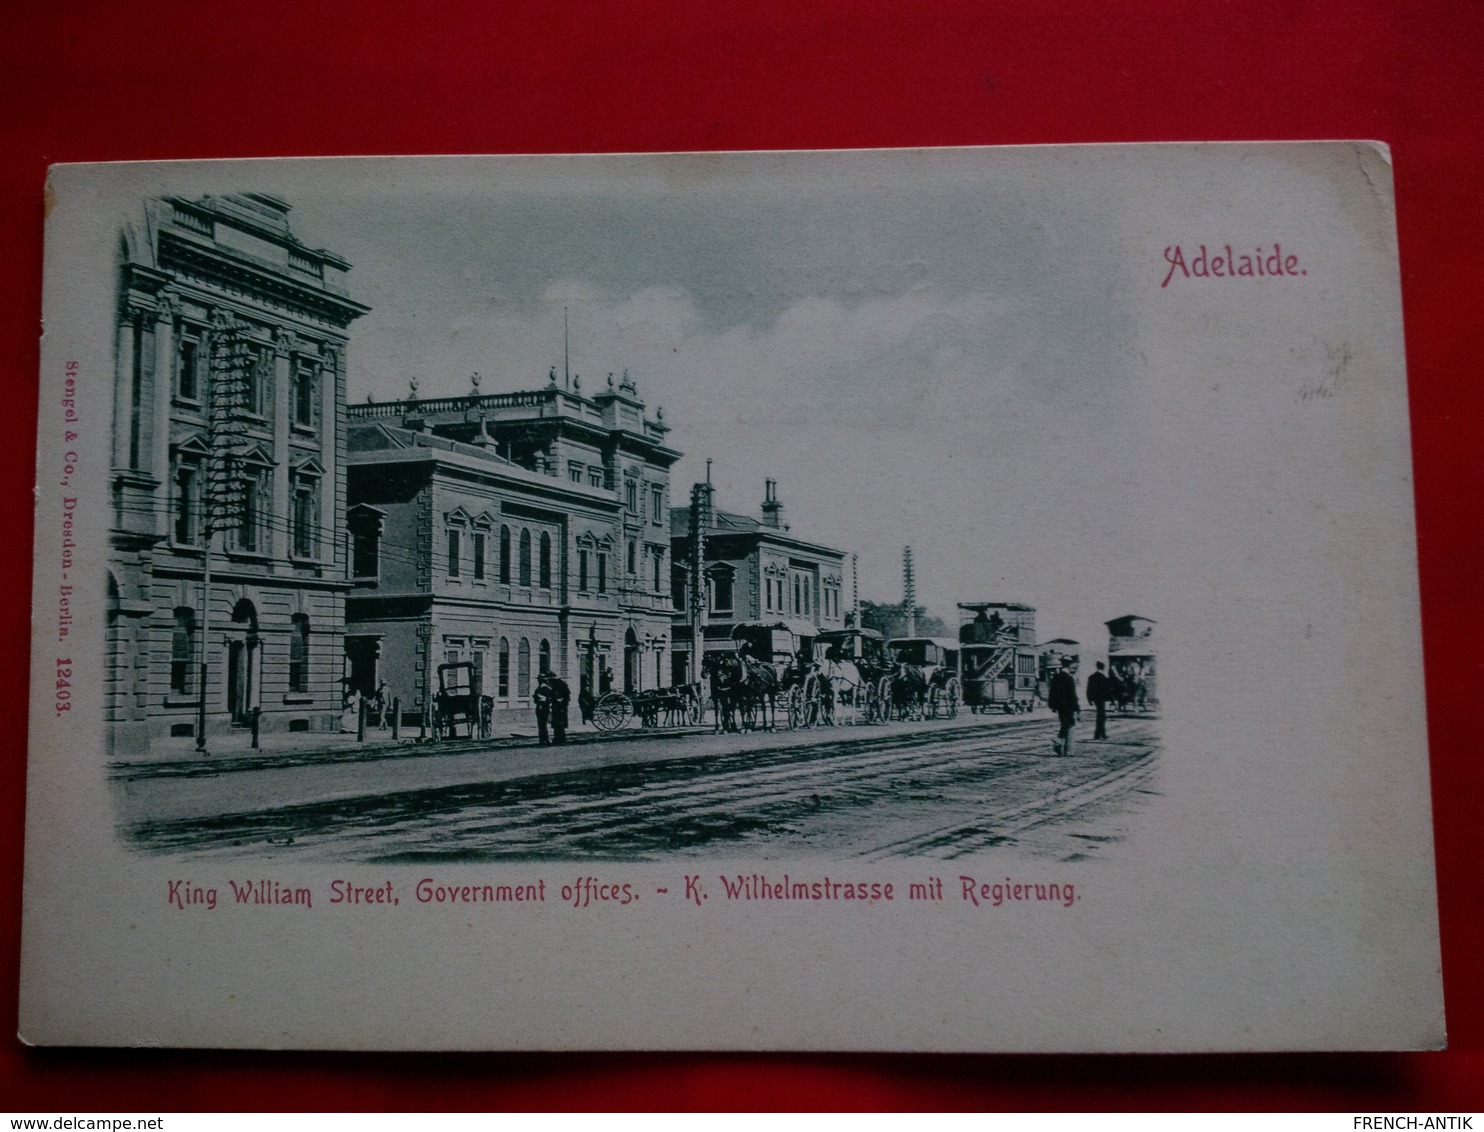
{"x":98,"y":81}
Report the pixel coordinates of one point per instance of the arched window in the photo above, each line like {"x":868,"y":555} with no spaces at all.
{"x":545,"y":656}
{"x":545,"y":561}
{"x":502,"y":684}
{"x":299,"y":654}
{"x":523,"y":669}
{"x":525,"y":557}
{"x":182,"y":651}
{"x":504,"y":556}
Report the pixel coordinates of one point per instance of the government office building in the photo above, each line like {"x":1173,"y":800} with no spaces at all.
{"x":518,"y":532}
{"x":229,"y":427}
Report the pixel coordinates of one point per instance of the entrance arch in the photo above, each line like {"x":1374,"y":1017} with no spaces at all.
{"x":243,"y":663}
{"x":631,"y":658}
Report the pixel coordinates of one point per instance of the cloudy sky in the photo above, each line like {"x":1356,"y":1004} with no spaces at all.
{"x":920,"y":350}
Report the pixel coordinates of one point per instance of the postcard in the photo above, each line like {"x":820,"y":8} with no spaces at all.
{"x":931,"y":600}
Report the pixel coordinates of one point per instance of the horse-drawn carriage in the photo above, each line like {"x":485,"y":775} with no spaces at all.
{"x":997,"y":655}
{"x":460,"y":700}
{"x":769,"y":662}
{"x":859,"y":668}
{"x":926,"y":682}
{"x":681,"y":706}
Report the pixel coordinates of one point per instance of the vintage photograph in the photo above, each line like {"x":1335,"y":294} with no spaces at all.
{"x":515,"y":525}
{"x":873,"y":600}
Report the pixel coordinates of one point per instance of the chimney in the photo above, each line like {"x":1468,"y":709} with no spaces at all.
{"x":772,"y":509}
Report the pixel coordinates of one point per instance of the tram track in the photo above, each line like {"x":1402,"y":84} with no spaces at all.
{"x":574,"y":820}
{"x":831,"y":796}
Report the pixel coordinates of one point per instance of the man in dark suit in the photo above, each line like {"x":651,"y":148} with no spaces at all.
{"x":561,"y":696}
{"x":1099,"y":692}
{"x":542,"y":698}
{"x":1061,"y":697}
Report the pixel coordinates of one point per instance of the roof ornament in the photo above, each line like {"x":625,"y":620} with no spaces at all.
{"x":412,"y":389}
{"x":474,"y":384}
{"x":627,"y":384}
{"x":576,"y":382}
{"x":610,"y":379}
{"x":659,"y":413}
{"x":551,"y":378}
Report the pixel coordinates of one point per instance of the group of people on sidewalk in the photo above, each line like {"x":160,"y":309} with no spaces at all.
{"x":1062,"y":698}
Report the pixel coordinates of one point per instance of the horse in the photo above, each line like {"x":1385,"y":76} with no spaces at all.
{"x":909,"y":687}
{"x":723,"y":678}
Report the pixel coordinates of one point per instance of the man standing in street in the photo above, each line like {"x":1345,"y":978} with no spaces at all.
{"x":561,"y":696}
{"x":542,"y":698}
{"x":1099,"y":692}
{"x":1061,"y":697}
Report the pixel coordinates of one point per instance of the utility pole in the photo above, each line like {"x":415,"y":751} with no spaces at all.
{"x":700,"y":520}
{"x":224,"y":502}
{"x":909,"y":587}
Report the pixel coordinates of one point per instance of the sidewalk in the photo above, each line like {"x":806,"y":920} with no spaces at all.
{"x":235,"y":752}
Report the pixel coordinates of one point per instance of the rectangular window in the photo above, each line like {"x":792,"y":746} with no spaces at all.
{"x":633,"y":557}
{"x":502,"y":685}
{"x":187,"y":503}
{"x":602,"y":573}
{"x":182,"y":651}
{"x":656,"y":503}
{"x":595,"y":477}
{"x":299,"y":654}
{"x":306,"y":386}
{"x":479,"y":540}
{"x":260,"y":381}
{"x":454,"y":549}
{"x":188,"y":370}
{"x":582,"y":570}
{"x":659,"y":572}
{"x":250,"y":524}
{"x":631,"y":496}
{"x":366,"y":554}
{"x":302,"y":519}
{"x":721,"y":592}
{"x":574,"y":472}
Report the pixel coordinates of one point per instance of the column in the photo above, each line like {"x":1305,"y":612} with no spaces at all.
{"x":123,"y":391}
{"x":329,"y":417}
{"x":163,"y":387}
{"x":283,"y":391}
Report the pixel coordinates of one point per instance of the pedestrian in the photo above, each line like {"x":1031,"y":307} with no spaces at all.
{"x":1061,"y":698}
{"x":542,"y":700}
{"x":585,"y":703}
{"x":561,"y":696}
{"x":380,"y":705}
{"x":1099,"y":692}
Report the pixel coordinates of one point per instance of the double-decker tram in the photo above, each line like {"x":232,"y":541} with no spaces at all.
{"x":997,"y":655}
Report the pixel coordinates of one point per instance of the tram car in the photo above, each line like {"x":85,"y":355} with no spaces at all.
{"x":938,"y":658}
{"x":998,"y":660}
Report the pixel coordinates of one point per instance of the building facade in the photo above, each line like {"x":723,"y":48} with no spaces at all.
{"x":752,"y":569}
{"x":517,"y":531}
{"x":229,"y":465}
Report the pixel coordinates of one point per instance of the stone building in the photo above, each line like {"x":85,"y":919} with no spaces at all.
{"x":519,"y":531}
{"x":755,"y":569}
{"x":228,"y":454}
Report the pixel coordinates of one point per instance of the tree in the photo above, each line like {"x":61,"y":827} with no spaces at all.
{"x":891,"y":620}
